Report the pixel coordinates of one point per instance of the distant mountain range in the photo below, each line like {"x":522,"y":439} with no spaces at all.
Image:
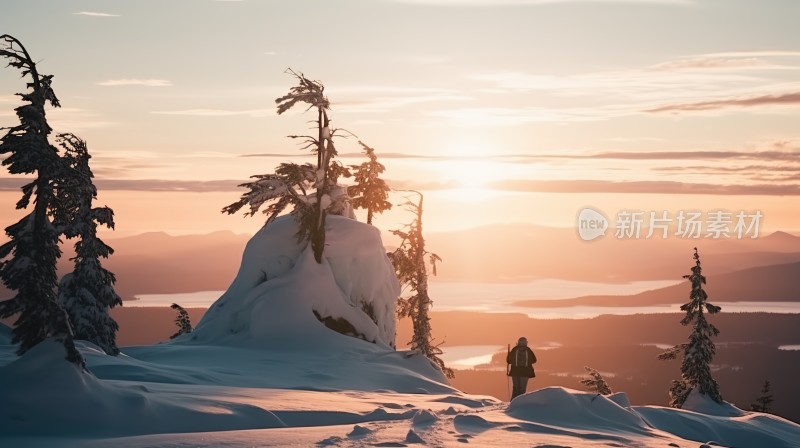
{"x":518,"y":252}
{"x":160,"y":263}
{"x":773,"y":283}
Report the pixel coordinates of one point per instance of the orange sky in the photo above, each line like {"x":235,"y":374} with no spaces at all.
{"x":503,"y":111}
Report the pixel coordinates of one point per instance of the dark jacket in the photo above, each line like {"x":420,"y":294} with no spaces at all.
{"x":521,"y":360}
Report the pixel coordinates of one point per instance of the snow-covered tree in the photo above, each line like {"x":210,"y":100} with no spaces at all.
{"x":88,"y":292}
{"x":409,"y":262}
{"x":370,"y":191}
{"x":596,"y":382}
{"x":311,"y":191}
{"x":700,"y":350}
{"x":181,"y":320}
{"x":764,"y":402}
{"x":29,"y":258}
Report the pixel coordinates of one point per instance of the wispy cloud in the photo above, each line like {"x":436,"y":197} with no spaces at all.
{"x":255,"y":113}
{"x":711,"y":62}
{"x":688,"y":155}
{"x":136,"y":82}
{"x":390,"y":103}
{"x":94,"y":14}
{"x":782,"y":99}
{"x":704,"y":169}
{"x":615,"y":187}
{"x":510,"y":116}
{"x":652,"y":187}
{"x":270,"y":53}
{"x":540,"y":2}
{"x":754,"y":54}
{"x":635,"y":84}
{"x":73,"y":119}
{"x":765,"y":155}
{"x":9,"y":184}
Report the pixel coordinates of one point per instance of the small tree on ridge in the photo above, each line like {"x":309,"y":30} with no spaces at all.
{"x":764,"y":402}
{"x":370,"y":191}
{"x":700,"y":350}
{"x":409,"y":262}
{"x":311,"y":191}
{"x":87,"y":293}
{"x":596,"y":383}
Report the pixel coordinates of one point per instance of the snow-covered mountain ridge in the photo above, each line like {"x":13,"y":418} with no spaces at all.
{"x":261,"y":370}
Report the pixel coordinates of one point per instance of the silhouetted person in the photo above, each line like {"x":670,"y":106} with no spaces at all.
{"x":520,"y":360}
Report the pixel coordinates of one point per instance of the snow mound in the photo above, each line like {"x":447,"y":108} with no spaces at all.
{"x":554,"y":405}
{"x":271,"y":327}
{"x":621,"y":398}
{"x":281,"y":295}
{"x":753,"y":430}
{"x":701,"y":403}
{"x":45,"y":395}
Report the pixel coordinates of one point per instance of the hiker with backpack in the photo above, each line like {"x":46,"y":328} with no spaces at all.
{"x":520,"y":362}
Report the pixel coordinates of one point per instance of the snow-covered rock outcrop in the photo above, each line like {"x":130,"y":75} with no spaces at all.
{"x":282,"y":293}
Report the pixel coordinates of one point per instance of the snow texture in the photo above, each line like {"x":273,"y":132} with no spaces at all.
{"x":279,"y":286}
{"x":262,"y":371}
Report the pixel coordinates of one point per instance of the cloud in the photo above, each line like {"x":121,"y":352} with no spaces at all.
{"x":517,"y":185}
{"x":651,"y":187}
{"x":703,"y":169}
{"x":255,"y":113}
{"x":611,"y":94}
{"x":686,"y":155}
{"x":769,"y":155}
{"x":94,"y":14}
{"x":389,"y":103}
{"x":710,"y":62}
{"x":510,"y":116}
{"x":268,"y":53}
{"x":281,"y":155}
{"x":783,"y":99}
{"x":7,"y":184}
{"x":540,"y":2}
{"x":612,"y":187}
{"x":73,"y":119}
{"x":755,"y":54}
{"x":136,"y":82}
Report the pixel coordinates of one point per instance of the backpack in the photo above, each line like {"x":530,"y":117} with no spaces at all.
{"x":521,"y":357}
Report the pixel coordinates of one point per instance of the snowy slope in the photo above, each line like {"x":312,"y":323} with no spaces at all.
{"x":279,"y":285}
{"x":261,"y":370}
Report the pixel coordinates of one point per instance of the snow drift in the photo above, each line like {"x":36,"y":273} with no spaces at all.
{"x":280,"y":289}
{"x":262,"y":369}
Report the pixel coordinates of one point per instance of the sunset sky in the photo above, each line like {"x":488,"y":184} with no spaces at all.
{"x":498,"y":110}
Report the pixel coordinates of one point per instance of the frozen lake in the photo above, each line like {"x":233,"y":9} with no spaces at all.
{"x":499,"y":298}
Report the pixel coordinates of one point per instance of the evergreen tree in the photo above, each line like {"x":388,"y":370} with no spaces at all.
{"x":409,"y":262}
{"x":33,"y":246}
{"x":596,"y":383}
{"x":88,"y":292}
{"x":370,"y":191}
{"x":764,"y":402}
{"x":292,"y":184}
{"x":700,"y":350}
{"x":182,"y":321}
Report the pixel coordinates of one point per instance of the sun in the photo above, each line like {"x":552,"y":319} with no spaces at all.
{"x":469,"y":174}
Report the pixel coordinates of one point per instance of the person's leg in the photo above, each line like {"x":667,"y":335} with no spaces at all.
{"x":523,"y":384}
{"x":517,"y":386}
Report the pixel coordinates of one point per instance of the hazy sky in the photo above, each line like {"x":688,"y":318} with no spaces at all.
{"x":500,"y":110}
